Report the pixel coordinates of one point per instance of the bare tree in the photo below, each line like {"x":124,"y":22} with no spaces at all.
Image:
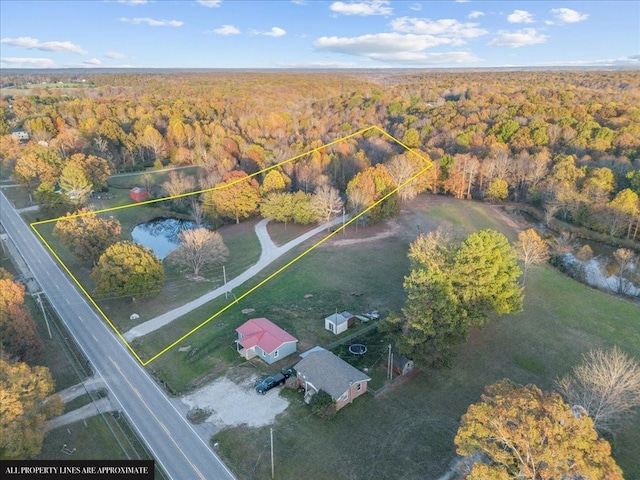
{"x":606,"y":384}
{"x":326,"y":202}
{"x":626,"y":260}
{"x":401,"y":170}
{"x":178,"y":184}
{"x":199,"y":248}
{"x":197,"y":211}
{"x":531,"y":249}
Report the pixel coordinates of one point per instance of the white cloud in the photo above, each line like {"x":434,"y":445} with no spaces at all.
{"x":152,"y":22}
{"x":28,"y":62}
{"x":567,"y":15}
{"x":416,"y":7}
{"x":274,"y":32}
{"x":364,"y":8}
{"x":114,"y":55}
{"x":519,"y":38}
{"x":476,"y":14}
{"x":226,"y":30}
{"x":379,"y":43}
{"x":520,"y":16}
{"x":133,"y":2}
{"x":424,"y":58}
{"x":94,"y":62}
{"x":31,"y":43}
{"x":447,"y":27}
{"x":210,"y":3}
{"x":395,"y":48}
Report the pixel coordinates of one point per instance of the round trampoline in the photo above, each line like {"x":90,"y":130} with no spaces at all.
{"x":358,"y":349}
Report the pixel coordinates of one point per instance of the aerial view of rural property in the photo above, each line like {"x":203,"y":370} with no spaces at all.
{"x":320,"y":240}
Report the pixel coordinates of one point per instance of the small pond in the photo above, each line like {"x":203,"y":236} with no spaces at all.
{"x":161,"y":234}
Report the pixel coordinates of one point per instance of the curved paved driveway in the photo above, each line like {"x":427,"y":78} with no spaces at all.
{"x":270,"y":253}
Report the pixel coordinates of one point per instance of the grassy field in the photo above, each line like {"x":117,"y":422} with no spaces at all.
{"x":339,"y":273}
{"x":408,"y":431}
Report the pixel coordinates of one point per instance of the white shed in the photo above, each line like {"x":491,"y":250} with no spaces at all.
{"x":339,"y":322}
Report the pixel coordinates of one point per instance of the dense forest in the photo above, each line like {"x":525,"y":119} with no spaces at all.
{"x":565,"y":142}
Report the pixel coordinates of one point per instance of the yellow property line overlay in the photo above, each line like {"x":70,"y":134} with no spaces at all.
{"x":33,"y":226}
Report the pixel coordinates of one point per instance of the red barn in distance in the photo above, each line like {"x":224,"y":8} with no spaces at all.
{"x":139,"y":194}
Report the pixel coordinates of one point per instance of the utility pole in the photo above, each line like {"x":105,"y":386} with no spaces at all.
{"x":389,"y":366}
{"x":272,"y":465}
{"x":224,"y":275}
{"x":44,"y":314}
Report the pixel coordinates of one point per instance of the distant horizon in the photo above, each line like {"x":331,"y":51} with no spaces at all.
{"x":318,"y":34}
{"x":85,"y":71}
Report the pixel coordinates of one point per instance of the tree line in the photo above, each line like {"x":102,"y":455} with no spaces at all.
{"x":567,"y":142}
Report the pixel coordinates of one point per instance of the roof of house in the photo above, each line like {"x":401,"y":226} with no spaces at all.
{"x":329,"y":373}
{"x":264,"y":334}
{"x":338,"y":318}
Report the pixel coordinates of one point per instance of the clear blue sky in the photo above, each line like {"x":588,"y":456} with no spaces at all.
{"x":317,"y":34}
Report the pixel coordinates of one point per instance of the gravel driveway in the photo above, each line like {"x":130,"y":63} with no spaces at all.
{"x":233,"y":403}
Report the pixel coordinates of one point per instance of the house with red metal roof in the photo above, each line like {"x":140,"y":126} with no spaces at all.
{"x":262,"y":338}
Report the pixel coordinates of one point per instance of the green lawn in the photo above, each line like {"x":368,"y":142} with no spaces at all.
{"x":408,"y":431}
{"x":330,"y":273}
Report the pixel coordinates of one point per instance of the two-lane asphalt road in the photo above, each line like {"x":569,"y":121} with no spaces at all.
{"x":178,"y":449}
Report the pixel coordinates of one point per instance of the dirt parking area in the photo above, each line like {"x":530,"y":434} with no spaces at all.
{"x":236,"y":403}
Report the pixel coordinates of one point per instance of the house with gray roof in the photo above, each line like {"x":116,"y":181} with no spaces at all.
{"x":322,"y":370}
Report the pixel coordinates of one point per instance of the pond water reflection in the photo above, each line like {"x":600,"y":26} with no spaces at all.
{"x":161,"y":234}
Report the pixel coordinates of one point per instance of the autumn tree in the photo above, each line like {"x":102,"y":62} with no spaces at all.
{"x":274,"y":181}
{"x":17,"y":328}
{"x":86,"y":235}
{"x":368,"y":187}
{"x":326,"y":203}
{"x":303,"y":213}
{"x":127,"y":269}
{"x":37,"y":165}
{"x":26,"y":406}
{"x":528,"y":433}
{"x":498,"y":190}
{"x":531,"y":249}
{"x":236,"y":197}
{"x":278,"y":206}
{"x":606,"y":384}
{"x":199,"y":248}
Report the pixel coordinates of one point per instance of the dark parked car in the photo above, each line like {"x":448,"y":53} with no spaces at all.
{"x":270,"y":382}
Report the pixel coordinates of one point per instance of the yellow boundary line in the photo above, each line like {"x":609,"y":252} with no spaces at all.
{"x":33,"y":225}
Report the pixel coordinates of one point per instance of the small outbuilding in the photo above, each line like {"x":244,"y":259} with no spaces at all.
{"x":139,"y":194}
{"x":401,"y":364}
{"x":339,"y":322}
{"x":262,"y":338}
